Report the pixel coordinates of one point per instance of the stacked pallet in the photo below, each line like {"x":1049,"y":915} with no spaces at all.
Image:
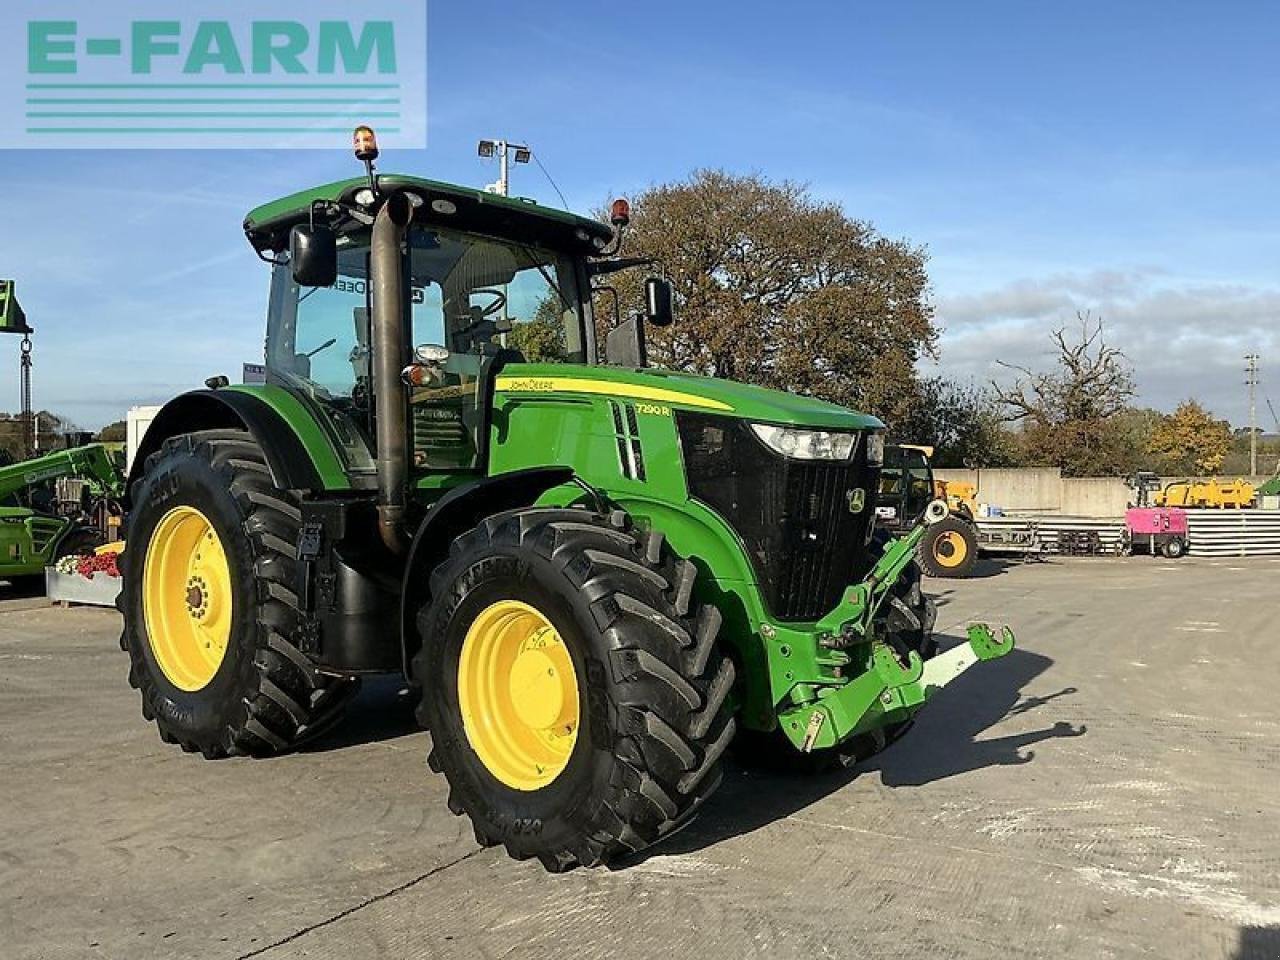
{"x":1234,"y":533}
{"x":1053,"y":534}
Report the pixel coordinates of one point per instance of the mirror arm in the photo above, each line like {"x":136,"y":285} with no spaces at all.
{"x":618,"y":235}
{"x":601,"y":268}
{"x":332,"y":212}
{"x":274,"y":261}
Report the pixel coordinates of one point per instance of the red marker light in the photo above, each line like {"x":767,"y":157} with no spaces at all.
{"x":365,"y":142}
{"x":620,"y":213}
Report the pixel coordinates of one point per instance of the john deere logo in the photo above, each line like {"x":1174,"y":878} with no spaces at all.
{"x":152,"y":73}
{"x":857,"y":500}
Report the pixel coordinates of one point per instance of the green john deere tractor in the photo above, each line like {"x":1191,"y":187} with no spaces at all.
{"x":591,"y":573}
{"x":54,"y":506}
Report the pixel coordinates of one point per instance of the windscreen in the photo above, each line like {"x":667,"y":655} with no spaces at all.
{"x":471,"y":294}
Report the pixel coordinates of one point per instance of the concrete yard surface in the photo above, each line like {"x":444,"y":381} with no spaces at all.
{"x":1109,"y":790}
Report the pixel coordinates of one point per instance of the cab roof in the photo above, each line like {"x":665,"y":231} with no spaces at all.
{"x":267,"y":226}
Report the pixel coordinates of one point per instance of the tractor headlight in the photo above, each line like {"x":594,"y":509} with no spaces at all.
{"x":875,"y":449}
{"x":806,"y":444}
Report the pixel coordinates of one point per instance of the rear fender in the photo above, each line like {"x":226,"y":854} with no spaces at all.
{"x":292,"y":465}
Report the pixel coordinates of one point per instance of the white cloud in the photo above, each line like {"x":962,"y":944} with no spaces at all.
{"x":1184,"y":339}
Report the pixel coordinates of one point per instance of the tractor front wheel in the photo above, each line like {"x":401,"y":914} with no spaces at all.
{"x":210,"y":612}
{"x":574,"y":690}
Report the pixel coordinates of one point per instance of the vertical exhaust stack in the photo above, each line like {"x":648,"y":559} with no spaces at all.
{"x":390,"y":352}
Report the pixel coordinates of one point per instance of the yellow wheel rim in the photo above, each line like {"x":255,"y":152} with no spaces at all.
{"x":186,"y":598}
{"x":519,"y":695}
{"x":950,"y":549}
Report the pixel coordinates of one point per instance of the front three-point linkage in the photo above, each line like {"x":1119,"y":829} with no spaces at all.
{"x":865,"y":598}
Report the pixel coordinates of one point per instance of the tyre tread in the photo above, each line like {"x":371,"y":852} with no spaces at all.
{"x":670,"y":678}
{"x":286,"y":698}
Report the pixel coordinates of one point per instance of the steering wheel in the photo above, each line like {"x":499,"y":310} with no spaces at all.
{"x":499,"y":301}
{"x":478,"y":315}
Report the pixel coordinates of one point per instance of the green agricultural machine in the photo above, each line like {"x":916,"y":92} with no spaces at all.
{"x":907,"y":487}
{"x":55,"y":506}
{"x":592,"y":574}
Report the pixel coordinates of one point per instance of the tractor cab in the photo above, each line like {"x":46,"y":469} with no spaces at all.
{"x":488,"y":281}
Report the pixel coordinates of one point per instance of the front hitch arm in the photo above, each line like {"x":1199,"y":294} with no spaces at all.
{"x":888,"y":691}
{"x":851,"y":623}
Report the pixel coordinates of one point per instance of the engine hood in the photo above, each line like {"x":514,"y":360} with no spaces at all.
{"x":684,"y":391}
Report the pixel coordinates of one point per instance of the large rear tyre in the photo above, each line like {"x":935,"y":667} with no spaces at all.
{"x":949,"y":548}
{"x":210,"y":612}
{"x":574,"y":689}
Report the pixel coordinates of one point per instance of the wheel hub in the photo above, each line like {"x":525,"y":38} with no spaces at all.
{"x":537,"y":689}
{"x":186,"y":598}
{"x":950,"y":549}
{"x":518,"y":693}
{"x":196,"y":597}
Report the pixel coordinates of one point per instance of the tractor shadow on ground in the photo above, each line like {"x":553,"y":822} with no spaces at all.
{"x":987,"y":567}
{"x":945,"y":739}
{"x":22,"y":589}
{"x":943,"y":743}
{"x":1258,"y":943}
{"x":381,"y":711}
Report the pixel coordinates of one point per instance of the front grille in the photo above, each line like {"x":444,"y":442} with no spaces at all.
{"x":805,"y":543}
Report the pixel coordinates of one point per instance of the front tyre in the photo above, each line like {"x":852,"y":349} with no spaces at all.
{"x":210,"y":612}
{"x":574,"y":690}
{"x":78,"y":542}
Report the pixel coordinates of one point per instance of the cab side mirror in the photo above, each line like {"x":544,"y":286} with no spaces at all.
{"x":313,"y":255}
{"x":657,"y":302}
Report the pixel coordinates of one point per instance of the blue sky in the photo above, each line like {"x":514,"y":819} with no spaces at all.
{"x":1122,"y":158}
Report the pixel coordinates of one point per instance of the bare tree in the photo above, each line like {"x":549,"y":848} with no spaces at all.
{"x":1067,"y":413}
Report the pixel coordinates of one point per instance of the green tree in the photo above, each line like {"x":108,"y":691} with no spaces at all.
{"x":778,"y":289}
{"x":1130,"y":440}
{"x":1068,"y":414}
{"x":962,"y":424}
{"x":542,"y":338}
{"x":114,"y":432}
{"x":1190,"y":440}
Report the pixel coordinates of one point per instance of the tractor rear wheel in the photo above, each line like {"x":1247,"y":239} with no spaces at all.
{"x":574,"y":690}
{"x":949,"y":548}
{"x":210,"y":612}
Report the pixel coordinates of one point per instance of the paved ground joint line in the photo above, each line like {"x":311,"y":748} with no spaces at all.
{"x":367,"y":902}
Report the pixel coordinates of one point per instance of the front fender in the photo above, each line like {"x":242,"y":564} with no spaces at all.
{"x":454,"y":514}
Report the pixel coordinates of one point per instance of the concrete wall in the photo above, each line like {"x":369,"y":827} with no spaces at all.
{"x":1026,"y":490}
{"x":1094,"y":497}
{"x":1044,"y":490}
